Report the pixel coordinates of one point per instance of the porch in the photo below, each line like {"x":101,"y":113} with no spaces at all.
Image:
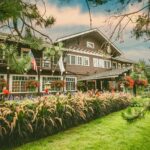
{"x":105,"y":81}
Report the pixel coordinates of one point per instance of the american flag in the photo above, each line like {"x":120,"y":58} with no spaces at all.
{"x":33,"y":61}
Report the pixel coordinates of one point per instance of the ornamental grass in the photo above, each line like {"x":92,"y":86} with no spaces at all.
{"x":23,"y":121}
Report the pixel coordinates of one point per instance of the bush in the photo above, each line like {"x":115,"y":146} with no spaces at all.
{"x":133,"y":113}
{"x":28,"y":120}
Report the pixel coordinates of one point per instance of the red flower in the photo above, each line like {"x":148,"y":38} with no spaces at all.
{"x":6,"y":92}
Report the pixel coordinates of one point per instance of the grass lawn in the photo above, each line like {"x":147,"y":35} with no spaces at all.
{"x":108,"y":133}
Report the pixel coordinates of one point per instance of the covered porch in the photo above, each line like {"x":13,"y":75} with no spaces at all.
{"x":105,"y":81}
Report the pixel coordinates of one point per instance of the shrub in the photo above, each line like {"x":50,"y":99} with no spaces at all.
{"x":132,"y":114}
{"x":27,"y":120}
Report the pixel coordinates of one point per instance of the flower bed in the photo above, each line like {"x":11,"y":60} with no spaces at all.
{"x":28,"y":120}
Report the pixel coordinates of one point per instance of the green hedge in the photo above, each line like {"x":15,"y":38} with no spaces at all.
{"x":28,"y":120}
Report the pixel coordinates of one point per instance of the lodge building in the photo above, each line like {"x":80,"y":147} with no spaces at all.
{"x":87,"y":56}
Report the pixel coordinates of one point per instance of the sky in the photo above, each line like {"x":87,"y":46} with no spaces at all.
{"x":72,"y":17}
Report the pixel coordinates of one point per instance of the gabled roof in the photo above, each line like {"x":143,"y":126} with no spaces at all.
{"x":86,"y":32}
{"x":106,"y":74}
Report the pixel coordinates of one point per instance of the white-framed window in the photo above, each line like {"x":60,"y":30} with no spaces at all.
{"x":90,"y":45}
{"x":18,"y":83}
{"x":70,"y":83}
{"x":50,"y":79}
{"x":119,"y":65}
{"x":73,"y":59}
{"x":107,"y":64}
{"x":86,"y":61}
{"x":98,"y":62}
{"x":114,"y":65}
{"x":77,"y":60}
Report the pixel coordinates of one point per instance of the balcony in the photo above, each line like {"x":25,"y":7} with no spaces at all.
{"x":47,"y":64}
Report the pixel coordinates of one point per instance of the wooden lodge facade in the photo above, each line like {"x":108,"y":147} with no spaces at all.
{"x":88,"y":56}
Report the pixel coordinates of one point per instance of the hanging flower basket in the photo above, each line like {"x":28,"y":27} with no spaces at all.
{"x":31,"y":85}
{"x":128,"y":82}
{"x":58,"y":84}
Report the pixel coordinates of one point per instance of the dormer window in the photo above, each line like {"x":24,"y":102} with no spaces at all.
{"x":90,"y":45}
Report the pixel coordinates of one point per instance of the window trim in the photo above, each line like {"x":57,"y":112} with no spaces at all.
{"x":11,"y":80}
{"x":76,"y":60}
{"x":98,"y":62}
{"x":75,"y":83}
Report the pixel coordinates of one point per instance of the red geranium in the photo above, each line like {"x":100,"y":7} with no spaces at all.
{"x":129,"y":82}
{"x":6,"y":92}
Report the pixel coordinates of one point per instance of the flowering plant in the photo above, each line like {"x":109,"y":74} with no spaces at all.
{"x":58,"y":83}
{"x":32,"y":84}
{"x":129,"y":82}
{"x":142,"y":82}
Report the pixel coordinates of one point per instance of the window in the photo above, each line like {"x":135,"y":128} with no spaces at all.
{"x":107,"y":64}
{"x":68,"y":59}
{"x":90,"y":45}
{"x":73,"y":60}
{"x":70,"y":84}
{"x":114,"y":65}
{"x":77,"y":60}
{"x":98,"y":62}
{"x":119,"y":65}
{"x":49,"y":80}
{"x":19,"y":83}
{"x":85,"y":61}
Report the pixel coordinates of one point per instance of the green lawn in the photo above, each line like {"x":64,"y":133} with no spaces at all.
{"x":107,"y":133}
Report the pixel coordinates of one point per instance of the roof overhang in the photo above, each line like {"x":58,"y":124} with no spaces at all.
{"x":106,"y":75}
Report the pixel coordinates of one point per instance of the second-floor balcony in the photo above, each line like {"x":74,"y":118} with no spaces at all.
{"x":44,"y":64}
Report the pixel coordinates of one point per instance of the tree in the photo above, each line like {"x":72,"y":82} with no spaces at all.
{"x":22,"y":18}
{"x":141,"y":21}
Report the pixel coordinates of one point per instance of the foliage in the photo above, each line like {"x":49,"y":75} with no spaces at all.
{"x":137,"y":110}
{"x":23,"y":121}
{"x":81,"y":86}
{"x":21,"y":16}
{"x":107,"y":133}
{"x":13,"y":60}
{"x":128,"y":82}
{"x":133,"y":113}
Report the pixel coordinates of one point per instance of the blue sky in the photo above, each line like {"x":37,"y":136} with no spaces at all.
{"x":72,"y":17}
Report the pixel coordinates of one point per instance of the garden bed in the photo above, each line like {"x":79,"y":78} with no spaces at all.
{"x":28,"y":120}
